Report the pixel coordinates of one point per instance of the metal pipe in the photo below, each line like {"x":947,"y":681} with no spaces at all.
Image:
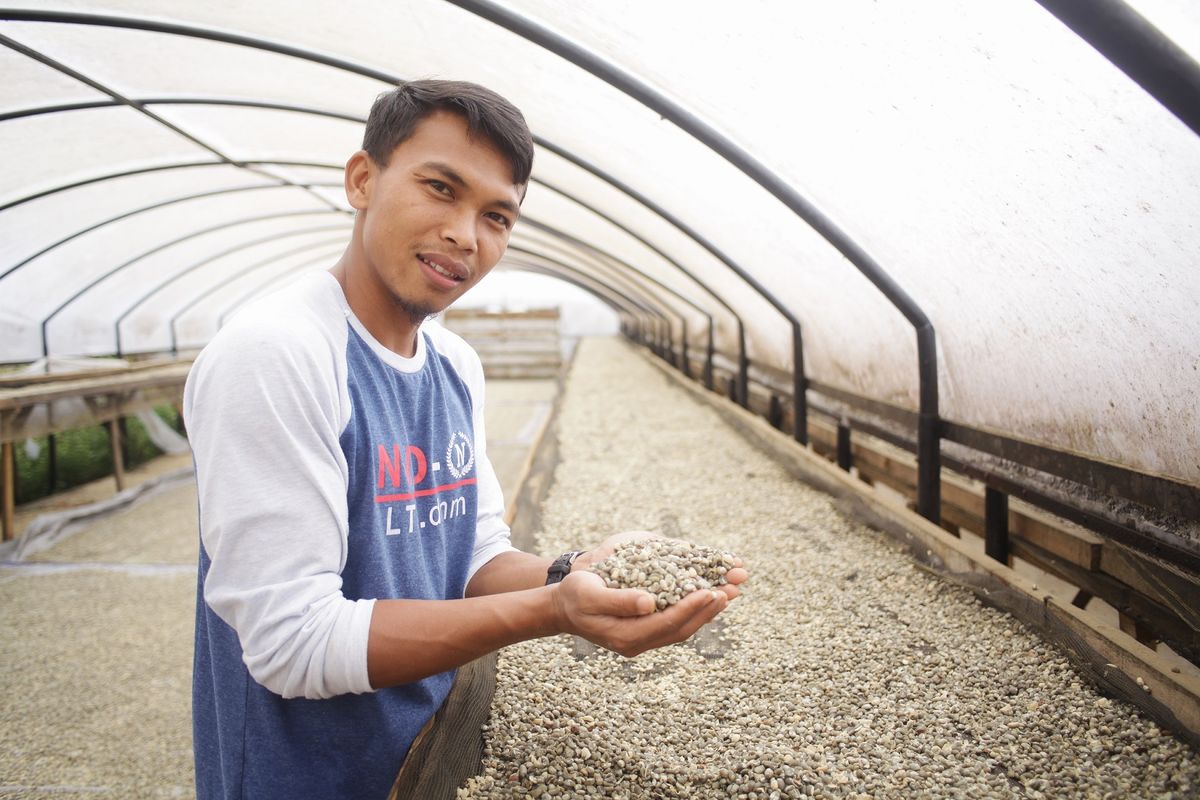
{"x":1138,"y":49}
{"x":152,"y":251}
{"x":208,"y":260}
{"x":642,"y":303}
{"x":929,"y":491}
{"x":845,"y":458}
{"x":995,"y":511}
{"x":655,"y":249}
{"x":209,"y":34}
{"x":195,"y":300}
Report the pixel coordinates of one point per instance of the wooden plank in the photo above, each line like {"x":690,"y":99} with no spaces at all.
{"x":456,"y":314}
{"x":9,"y":501}
{"x":8,"y":381}
{"x":1144,"y":618}
{"x":32,"y":395}
{"x":1061,"y":537}
{"x":1164,"y":584}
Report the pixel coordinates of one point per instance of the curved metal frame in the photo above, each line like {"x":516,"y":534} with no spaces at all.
{"x":158,"y":248}
{"x":308,"y":110}
{"x":252,"y":268}
{"x":799,"y":401}
{"x":601,"y":254}
{"x":929,"y":456}
{"x":133,"y":213}
{"x":42,"y":58}
{"x":666,"y":353}
{"x":612,"y":304}
{"x":637,"y":301}
{"x":710,"y":345}
{"x":741,"y":328}
{"x":577,"y":279}
{"x":208,"y":260}
{"x":1137,"y":48}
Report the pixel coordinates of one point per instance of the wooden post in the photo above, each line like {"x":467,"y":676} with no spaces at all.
{"x":9,"y":478}
{"x":1137,"y":629}
{"x":114,"y":438}
{"x":52,"y":464}
{"x":123,"y":427}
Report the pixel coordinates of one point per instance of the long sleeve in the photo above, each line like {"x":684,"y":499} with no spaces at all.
{"x":264,"y":411}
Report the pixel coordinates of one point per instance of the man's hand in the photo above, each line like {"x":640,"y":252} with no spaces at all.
{"x":624,"y":620}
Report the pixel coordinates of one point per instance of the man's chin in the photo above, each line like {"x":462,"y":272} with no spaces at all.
{"x":416,"y":311}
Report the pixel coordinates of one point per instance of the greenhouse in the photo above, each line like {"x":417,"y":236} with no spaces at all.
{"x":880,"y":322}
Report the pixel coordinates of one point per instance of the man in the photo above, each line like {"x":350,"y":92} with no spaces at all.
{"x":353,"y":545}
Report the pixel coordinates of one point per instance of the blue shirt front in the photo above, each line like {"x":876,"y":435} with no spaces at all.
{"x":412,"y":504}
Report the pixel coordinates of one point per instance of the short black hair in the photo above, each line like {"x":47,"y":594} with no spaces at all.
{"x":395,"y":114}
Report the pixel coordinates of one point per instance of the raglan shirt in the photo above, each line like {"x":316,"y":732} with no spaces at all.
{"x":331,"y":472}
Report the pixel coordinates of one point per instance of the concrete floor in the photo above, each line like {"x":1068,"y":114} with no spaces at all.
{"x":96,"y":646}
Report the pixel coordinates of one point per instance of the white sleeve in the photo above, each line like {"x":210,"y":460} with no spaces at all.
{"x":263,"y":417}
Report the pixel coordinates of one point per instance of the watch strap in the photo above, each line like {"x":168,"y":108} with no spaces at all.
{"x":561,"y":567}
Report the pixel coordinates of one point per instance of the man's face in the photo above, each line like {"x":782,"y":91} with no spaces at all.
{"x":438,"y":217}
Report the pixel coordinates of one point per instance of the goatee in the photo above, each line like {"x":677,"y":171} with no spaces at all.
{"x":416,"y":312}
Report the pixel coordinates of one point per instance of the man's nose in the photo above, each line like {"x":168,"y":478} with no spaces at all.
{"x":459,"y":229}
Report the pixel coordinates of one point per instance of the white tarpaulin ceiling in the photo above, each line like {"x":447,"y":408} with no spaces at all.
{"x":164,"y":162}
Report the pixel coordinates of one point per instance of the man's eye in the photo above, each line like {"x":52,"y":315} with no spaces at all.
{"x":498,"y":217}
{"x":438,"y":186}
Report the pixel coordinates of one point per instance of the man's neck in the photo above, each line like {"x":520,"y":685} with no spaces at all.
{"x":391,"y":326}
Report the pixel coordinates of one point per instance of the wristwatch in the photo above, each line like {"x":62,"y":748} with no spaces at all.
{"x":561,"y":567}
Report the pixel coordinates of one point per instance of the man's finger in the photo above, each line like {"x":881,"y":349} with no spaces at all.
{"x":691,"y":614}
{"x":624,"y":603}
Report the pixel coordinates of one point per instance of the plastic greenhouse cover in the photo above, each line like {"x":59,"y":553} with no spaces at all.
{"x":1036,"y":203}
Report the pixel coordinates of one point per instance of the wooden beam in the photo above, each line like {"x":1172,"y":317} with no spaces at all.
{"x":174,"y":374}
{"x":1141,"y":617}
{"x":114,"y":439}
{"x":10,"y":381}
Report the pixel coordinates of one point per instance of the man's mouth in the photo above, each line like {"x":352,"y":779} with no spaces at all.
{"x":443,"y":268}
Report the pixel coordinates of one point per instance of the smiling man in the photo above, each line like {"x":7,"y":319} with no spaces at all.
{"x":353,"y":547}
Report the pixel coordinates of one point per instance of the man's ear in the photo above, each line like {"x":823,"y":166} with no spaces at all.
{"x":358,"y":177}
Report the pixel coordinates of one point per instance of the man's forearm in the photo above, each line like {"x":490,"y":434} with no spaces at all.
{"x":508,"y":572}
{"x":413,"y":639}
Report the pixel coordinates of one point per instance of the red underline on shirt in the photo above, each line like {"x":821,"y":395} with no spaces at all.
{"x":394,"y":498}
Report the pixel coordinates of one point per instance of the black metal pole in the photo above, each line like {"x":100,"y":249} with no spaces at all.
{"x":1138,"y":49}
{"x":845,"y":457}
{"x":929,"y":452}
{"x":799,"y":390}
{"x":995,"y":511}
{"x":708,"y":356}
